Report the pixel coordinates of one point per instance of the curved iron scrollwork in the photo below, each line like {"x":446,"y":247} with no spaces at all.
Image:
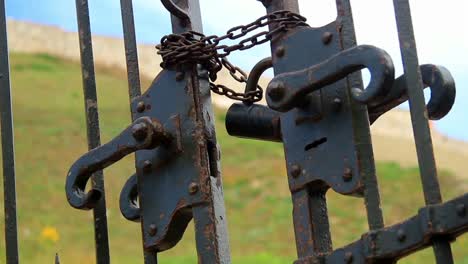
{"x":175,"y":9}
{"x":443,"y":93}
{"x":285,"y":90}
{"x":144,"y":133}
{"x":129,"y":200}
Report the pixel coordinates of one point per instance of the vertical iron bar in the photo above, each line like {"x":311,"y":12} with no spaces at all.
{"x":311,"y":225}
{"x":421,"y":130}
{"x":92,"y":124}
{"x":371,"y":192}
{"x":8,"y":151}
{"x":133,"y":74}
{"x":310,"y":208}
{"x":210,"y":217}
{"x":131,"y":52}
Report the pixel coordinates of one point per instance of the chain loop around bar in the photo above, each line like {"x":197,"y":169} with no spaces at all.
{"x":193,"y":47}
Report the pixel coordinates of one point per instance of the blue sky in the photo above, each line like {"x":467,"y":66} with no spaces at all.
{"x":439,"y":27}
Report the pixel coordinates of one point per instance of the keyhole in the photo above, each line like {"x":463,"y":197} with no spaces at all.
{"x":315,"y":144}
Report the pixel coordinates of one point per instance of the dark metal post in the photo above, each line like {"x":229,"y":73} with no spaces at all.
{"x":8,"y":152}
{"x":212,"y":246}
{"x":310,"y":214}
{"x":133,"y":73}
{"x":371,"y":190}
{"x":421,"y":130}
{"x":131,"y":52}
{"x":92,"y":124}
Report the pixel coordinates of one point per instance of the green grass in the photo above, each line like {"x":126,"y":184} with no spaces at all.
{"x":50,"y":135}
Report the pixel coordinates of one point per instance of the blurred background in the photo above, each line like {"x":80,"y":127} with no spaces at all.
{"x":50,"y":130}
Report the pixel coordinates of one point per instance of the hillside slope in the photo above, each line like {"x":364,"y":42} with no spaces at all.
{"x":392,"y":134}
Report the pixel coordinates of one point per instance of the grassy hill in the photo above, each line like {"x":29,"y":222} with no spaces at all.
{"x":50,"y":135}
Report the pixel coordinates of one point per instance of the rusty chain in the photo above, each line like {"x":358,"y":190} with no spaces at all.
{"x":193,"y":47}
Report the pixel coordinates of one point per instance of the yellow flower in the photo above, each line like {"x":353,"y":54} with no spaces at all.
{"x":50,"y":233}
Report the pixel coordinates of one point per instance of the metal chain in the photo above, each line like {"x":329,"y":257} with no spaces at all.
{"x":194,"y":47}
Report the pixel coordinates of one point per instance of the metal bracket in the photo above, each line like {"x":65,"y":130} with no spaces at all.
{"x":171,"y":180}
{"x":303,"y":93}
{"x":318,"y":129}
{"x":169,"y":183}
{"x":144,"y":133}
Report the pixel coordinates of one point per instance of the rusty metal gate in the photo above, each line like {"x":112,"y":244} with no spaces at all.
{"x":316,"y":107}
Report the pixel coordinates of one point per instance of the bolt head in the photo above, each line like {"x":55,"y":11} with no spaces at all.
{"x":349,"y":257}
{"x":141,"y":107}
{"x":280,"y":51}
{"x":193,"y":188}
{"x":276,"y":91}
{"x":140,"y":131}
{"x":348,"y":174}
{"x":179,"y":76}
{"x":147,"y":165}
{"x":327,"y":38}
{"x":296,"y":171}
{"x":461,"y":210}
{"x":337,"y":103}
{"x":401,"y":235}
{"x":153,"y":230}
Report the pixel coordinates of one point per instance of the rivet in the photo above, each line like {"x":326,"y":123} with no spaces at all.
{"x":349,"y":257}
{"x":141,"y":107}
{"x":140,"y":131}
{"x":401,"y":235}
{"x":337,"y":103}
{"x":347,"y":174}
{"x":179,"y":76}
{"x":461,"y":210}
{"x":276,"y":91}
{"x":327,"y":37}
{"x":153,"y":230}
{"x":147,"y":165}
{"x":280,"y":51}
{"x":193,"y":188}
{"x":295,"y":171}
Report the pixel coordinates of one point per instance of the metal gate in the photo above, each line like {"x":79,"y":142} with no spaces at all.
{"x":317,"y":108}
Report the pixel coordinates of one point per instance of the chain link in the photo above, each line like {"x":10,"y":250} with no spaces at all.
{"x":193,"y":47}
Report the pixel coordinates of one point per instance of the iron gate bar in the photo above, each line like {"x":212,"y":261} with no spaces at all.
{"x":133,"y":76}
{"x":92,"y":124}
{"x":371,"y":191}
{"x":8,"y":150}
{"x":131,"y":51}
{"x":421,"y":130}
{"x":211,"y":233}
{"x":310,"y":214}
